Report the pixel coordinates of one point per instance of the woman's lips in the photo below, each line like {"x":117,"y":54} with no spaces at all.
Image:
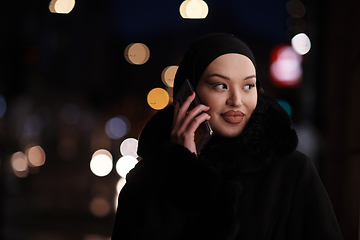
{"x":233,"y":116}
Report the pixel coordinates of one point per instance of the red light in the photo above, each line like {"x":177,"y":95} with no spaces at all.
{"x":285,"y":66}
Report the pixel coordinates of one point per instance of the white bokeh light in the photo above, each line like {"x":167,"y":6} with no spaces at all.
{"x":19,"y":164}
{"x":129,"y":147}
{"x":194,"y":9}
{"x":101,"y":165}
{"x":119,"y":186}
{"x":61,"y":6}
{"x":125,"y":164}
{"x":301,"y":43}
{"x":103,"y":152}
{"x":121,"y":183}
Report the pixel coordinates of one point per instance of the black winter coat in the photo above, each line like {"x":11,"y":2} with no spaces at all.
{"x":254,"y":186}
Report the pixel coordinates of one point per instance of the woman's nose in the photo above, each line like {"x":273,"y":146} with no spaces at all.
{"x":234,"y":99}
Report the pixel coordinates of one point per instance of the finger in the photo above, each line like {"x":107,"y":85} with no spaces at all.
{"x":196,"y":122}
{"x":197,"y":110}
{"x":193,"y":114}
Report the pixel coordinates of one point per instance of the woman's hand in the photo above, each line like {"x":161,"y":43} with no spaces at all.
{"x":186,"y":122}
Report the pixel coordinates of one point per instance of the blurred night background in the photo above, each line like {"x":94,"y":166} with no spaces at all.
{"x":65,"y":77}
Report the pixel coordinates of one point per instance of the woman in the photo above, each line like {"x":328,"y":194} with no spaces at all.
{"x":248,"y":183}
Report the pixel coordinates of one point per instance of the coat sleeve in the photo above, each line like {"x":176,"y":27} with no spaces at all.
{"x":161,"y":192}
{"x":311,"y":215}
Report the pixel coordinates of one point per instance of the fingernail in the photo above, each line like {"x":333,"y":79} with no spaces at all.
{"x":207,"y":106}
{"x":175,"y":102}
{"x":191,"y":94}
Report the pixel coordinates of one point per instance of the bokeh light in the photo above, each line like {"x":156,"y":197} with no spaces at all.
{"x":129,"y":147}
{"x":285,"y":68}
{"x":36,"y":156}
{"x":168,"y":75}
{"x":120,"y":184}
{"x":19,"y":164}
{"x":101,"y":165}
{"x":52,"y":6}
{"x":2,"y":106}
{"x":170,"y":91}
{"x":61,"y":6}
{"x":125,"y":164}
{"x":100,"y":207}
{"x":301,"y":43}
{"x":137,"y":53}
{"x":194,"y":9}
{"x":158,"y":98}
{"x":102,"y":152}
{"x":286,"y":106}
{"x":117,"y":127}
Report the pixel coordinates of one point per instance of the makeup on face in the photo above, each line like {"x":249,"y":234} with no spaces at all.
{"x":228,"y":86}
{"x":233,"y":117}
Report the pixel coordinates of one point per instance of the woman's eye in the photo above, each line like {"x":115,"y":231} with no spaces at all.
{"x":220,"y":86}
{"x":249,"y":86}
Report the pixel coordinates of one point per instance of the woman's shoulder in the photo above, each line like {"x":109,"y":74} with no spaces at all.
{"x":296,"y":156}
{"x":155,"y":132}
{"x":296,"y":162}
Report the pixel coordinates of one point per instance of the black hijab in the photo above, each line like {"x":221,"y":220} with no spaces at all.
{"x":205,"y":50}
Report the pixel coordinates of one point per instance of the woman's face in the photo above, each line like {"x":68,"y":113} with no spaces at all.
{"x":228,"y":87}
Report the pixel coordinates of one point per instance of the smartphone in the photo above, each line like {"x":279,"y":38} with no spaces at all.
{"x":204,"y":131}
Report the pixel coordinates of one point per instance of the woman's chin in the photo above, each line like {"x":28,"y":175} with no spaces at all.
{"x":227,"y":134}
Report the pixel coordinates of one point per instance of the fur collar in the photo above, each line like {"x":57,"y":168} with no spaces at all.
{"x":267,"y":137}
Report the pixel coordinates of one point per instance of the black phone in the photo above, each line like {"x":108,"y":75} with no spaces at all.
{"x":204,"y":131}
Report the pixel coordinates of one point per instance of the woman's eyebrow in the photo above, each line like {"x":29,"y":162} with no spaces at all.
{"x":221,"y":76}
{"x":249,"y":77}
{"x":218,"y":75}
